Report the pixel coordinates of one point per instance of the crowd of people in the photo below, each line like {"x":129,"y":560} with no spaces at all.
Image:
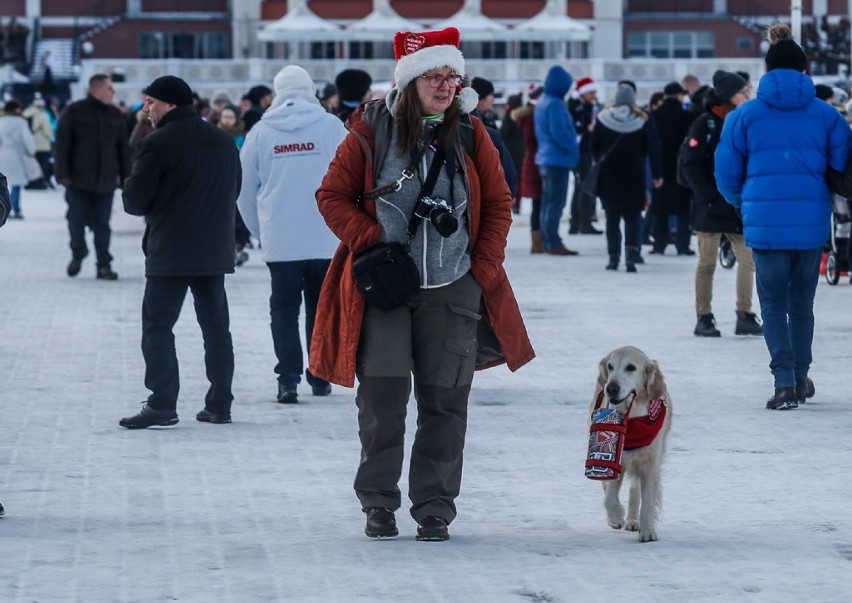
{"x":322,"y":177}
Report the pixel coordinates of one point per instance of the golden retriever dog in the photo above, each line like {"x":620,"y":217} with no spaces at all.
{"x":624,"y":375}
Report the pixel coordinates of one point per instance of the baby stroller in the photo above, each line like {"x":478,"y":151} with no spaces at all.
{"x":727,"y":259}
{"x":836,"y":260}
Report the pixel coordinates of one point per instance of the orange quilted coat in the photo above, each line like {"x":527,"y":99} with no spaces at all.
{"x":502,"y":336}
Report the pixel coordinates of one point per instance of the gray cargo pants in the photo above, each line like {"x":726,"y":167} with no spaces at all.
{"x":434,"y":336}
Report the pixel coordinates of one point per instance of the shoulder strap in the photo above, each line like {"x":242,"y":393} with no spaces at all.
{"x":425,"y":191}
{"x":611,"y":147}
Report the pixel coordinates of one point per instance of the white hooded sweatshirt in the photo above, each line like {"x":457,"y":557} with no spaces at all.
{"x":284,"y":159}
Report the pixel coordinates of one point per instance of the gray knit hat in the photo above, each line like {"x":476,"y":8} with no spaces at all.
{"x":625,"y":95}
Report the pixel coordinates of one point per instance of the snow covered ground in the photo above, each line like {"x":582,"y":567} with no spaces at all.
{"x":756,"y":502}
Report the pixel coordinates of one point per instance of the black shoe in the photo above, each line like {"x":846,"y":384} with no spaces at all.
{"x":74,"y":266}
{"x":432,"y":529}
{"x":321,"y":390}
{"x":748,"y":324}
{"x":150,"y":417}
{"x":381,"y":523}
{"x":105,"y":273}
{"x":613,"y":263}
{"x":656,"y":251}
{"x":630,"y":267}
{"x":784,"y":399}
{"x":287,"y":393}
{"x":205,"y":416}
{"x":590,"y":230}
{"x":804,"y":389}
{"x":686,"y":252}
{"x":706,"y":327}
{"x":2,"y":511}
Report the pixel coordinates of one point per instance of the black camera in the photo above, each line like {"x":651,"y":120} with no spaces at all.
{"x":439,"y":214}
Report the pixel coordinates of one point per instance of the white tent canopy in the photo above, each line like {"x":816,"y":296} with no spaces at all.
{"x":381,"y":24}
{"x":300,"y":23}
{"x":472,"y":24}
{"x":553,"y":23}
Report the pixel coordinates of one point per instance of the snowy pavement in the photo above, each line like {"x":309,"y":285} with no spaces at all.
{"x":756,"y":502}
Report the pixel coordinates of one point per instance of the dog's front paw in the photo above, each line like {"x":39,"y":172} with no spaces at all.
{"x":632,"y":525}
{"x":616,"y":523}
{"x":647,"y":536}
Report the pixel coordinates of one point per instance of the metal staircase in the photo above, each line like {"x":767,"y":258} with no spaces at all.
{"x":63,"y":54}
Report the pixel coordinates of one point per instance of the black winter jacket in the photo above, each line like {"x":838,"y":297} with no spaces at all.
{"x":91,"y":146}
{"x":710,"y":211}
{"x":185,"y":181}
{"x":672,"y":122}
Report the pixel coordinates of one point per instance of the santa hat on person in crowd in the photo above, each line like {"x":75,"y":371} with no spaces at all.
{"x":586,"y":85}
{"x":418,"y":52}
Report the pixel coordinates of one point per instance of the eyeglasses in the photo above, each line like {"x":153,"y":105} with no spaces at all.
{"x":436,"y":79}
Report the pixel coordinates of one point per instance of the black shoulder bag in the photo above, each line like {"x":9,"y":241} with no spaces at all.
{"x":591,"y":183}
{"x":384,"y":273}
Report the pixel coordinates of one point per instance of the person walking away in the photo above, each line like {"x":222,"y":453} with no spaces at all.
{"x":672,"y":122}
{"x":584,"y":109}
{"x":43,"y":135}
{"x":623,"y":139}
{"x":17,"y":147}
{"x":513,"y":139}
{"x":91,"y":160}
{"x":277,"y":201}
{"x":712,"y":216}
{"x":771,"y":165}
{"x":529,"y":184}
{"x":464,"y":291}
{"x":185,"y":182}
{"x":353,"y":88}
{"x":558,"y":153}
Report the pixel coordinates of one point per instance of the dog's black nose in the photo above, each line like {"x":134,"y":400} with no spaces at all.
{"x":612,"y":389}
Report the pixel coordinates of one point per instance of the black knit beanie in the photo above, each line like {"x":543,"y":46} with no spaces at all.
{"x":482,"y":86}
{"x":726,"y":84}
{"x":783,"y":51}
{"x":170,"y":89}
{"x":352,"y":85}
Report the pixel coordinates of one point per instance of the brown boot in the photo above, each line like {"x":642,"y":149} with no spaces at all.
{"x":537,"y":246}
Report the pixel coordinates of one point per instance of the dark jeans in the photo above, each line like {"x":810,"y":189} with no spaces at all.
{"x":161,"y":308}
{"x":535,"y":216}
{"x":92,"y":210}
{"x":632,"y":229}
{"x":786,"y":285}
{"x":582,"y":205}
{"x":661,"y":232}
{"x":554,"y":183}
{"x":289,"y":281}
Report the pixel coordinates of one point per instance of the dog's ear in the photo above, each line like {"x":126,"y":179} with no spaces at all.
{"x":655,"y":383}
{"x":603,"y":374}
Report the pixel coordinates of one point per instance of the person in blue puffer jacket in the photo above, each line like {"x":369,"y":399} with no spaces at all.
{"x":558,"y":153}
{"x":771,"y":165}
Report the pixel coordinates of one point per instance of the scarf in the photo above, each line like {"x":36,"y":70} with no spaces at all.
{"x":641,"y":431}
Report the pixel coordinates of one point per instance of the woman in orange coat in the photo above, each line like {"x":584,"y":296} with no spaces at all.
{"x":465,"y":315}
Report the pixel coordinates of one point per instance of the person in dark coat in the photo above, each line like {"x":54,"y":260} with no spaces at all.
{"x":91,"y":160}
{"x":513,"y":138}
{"x":5,"y":204}
{"x":671,"y":199}
{"x":584,"y":108}
{"x":711,"y":214}
{"x":623,"y":137}
{"x":185,"y":181}
{"x":260,"y":98}
{"x":530,"y":177}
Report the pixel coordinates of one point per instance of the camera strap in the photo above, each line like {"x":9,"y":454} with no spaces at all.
{"x":426,"y":189}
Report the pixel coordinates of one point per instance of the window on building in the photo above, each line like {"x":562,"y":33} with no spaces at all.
{"x":182,"y":45}
{"x":671,"y":44}
{"x":322,"y":50}
{"x":532,"y":50}
{"x":361,"y":50}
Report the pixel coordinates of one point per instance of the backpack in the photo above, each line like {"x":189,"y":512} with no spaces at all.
{"x":712,"y":142}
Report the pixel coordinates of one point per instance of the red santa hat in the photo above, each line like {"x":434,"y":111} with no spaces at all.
{"x":586,"y":85}
{"x":418,"y":52}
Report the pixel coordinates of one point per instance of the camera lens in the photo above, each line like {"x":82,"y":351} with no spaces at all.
{"x":445,"y":223}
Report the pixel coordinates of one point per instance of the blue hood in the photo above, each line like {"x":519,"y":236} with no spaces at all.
{"x":558,"y":82}
{"x":786,"y":89}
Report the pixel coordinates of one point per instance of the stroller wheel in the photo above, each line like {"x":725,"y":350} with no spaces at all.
{"x":727,"y":259}
{"x":832,"y":270}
